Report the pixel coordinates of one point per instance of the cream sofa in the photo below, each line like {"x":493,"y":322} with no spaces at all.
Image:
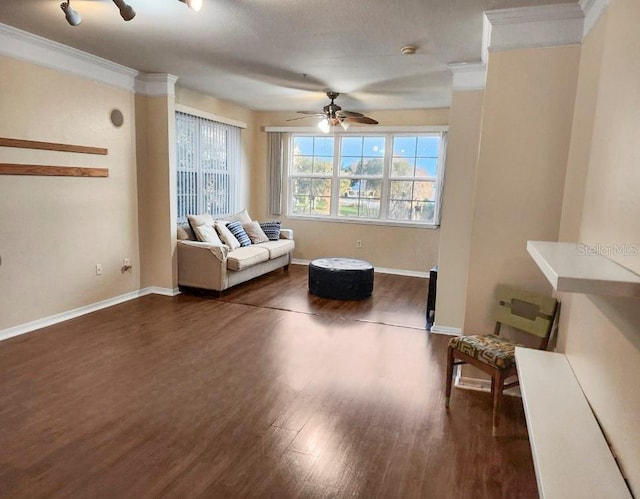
{"x":217,"y":267}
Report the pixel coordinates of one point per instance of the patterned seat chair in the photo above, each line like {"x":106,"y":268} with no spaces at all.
{"x":495,"y":355}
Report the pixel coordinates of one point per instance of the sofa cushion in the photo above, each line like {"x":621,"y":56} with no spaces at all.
{"x":278,"y":248}
{"x":255,"y":233}
{"x":226,"y":236}
{"x":271,"y":229}
{"x":207,"y":234}
{"x":185,"y":233}
{"x":239,"y":233}
{"x":244,"y":257}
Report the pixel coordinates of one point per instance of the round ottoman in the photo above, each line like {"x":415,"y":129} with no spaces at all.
{"x":341,"y":278}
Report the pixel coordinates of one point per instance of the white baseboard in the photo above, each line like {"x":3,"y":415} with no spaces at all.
{"x":481,"y":385}
{"x":452,"y":331}
{"x":155,"y":290}
{"x":5,"y":334}
{"x":381,"y":270}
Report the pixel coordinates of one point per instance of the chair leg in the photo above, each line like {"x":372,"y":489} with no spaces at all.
{"x":449,"y":376}
{"x":498,"y":385}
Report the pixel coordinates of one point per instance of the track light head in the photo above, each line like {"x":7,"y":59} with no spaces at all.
{"x":126,"y":11}
{"x":193,"y":4}
{"x":72,"y":17}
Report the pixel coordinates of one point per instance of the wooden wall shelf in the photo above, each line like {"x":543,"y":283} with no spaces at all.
{"x":52,"y":171}
{"x":568,"y":268}
{"x":51,"y":146}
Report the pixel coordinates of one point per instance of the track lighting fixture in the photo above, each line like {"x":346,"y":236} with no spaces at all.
{"x":126,"y":11}
{"x":193,"y":4}
{"x":72,"y":17}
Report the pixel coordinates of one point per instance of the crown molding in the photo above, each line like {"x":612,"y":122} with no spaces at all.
{"x":468,"y":75}
{"x":530,"y":27}
{"x":156,"y":84}
{"x":592,"y":9}
{"x":28,"y":47}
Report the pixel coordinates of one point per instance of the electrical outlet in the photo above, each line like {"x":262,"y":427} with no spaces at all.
{"x":126,"y":262}
{"x":359,"y":243}
{"x":98,"y":269}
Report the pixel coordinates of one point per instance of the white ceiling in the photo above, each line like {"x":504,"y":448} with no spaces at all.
{"x":255,"y":52}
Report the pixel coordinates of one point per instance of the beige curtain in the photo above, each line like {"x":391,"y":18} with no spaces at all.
{"x":275,"y":153}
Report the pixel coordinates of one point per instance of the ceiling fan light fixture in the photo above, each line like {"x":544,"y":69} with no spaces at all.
{"x":194,"y":5}
{"x":126,"y":11}
{"x":71,"y":15}
{"x":345,"y":125}
{"x":324,"y":125}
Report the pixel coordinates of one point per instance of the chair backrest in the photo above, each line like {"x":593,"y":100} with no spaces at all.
{"x":529,"y":312}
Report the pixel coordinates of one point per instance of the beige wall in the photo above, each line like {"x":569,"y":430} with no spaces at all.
{"x":156,"y":179}
{"x":54,"y":230}
{"x":526,"y":126}
{"x":601,"y":335}
{"x":408,"y":249}
{"x":457,"y":209}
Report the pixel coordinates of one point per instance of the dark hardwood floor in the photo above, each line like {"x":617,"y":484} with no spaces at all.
{"x":193,"y":396}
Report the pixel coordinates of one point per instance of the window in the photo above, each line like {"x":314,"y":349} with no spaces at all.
{"x":392,"y":178}
{"x":208,"y":161}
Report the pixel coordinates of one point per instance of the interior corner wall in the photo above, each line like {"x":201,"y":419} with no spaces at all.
{"x":526,"y":129}
{"x":156,"y":178}
{"x":54,"y":230}
{"x":599,"y":334}
{"x":457,"y":208}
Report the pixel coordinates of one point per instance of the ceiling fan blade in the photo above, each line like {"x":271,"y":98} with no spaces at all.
{"x":299,"y":118}
{"x":350,"y":114}
{"x":309,"y":112}
{"x":361,"y":119}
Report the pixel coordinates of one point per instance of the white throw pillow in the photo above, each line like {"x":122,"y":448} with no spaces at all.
{"x":225,"y":234}
{"x":207,"y":234}
{"x":242,"y":217}
{"x":198,"y":220}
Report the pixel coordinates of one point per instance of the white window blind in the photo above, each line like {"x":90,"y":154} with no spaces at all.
{"x":208,"y":164}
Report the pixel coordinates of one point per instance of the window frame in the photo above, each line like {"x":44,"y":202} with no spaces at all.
{"x":386,"y":177}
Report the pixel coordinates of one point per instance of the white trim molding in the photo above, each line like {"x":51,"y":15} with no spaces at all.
{"x":448,"y":330}
{"x":592,"y":9}
{"x":155,"y":290}
{"x":156,"y":84}
{"x":482,"y":385}
{"x":468,"y":75}
{"x":5,"y":334}
{"x":209,"y":116}
{"x":31,"y":48}
{"x":360,"y":129}
{"x":530,"y":27}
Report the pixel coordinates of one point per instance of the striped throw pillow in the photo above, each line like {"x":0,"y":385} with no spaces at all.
{"x":271,"y":229}
{"x":239,"y":233}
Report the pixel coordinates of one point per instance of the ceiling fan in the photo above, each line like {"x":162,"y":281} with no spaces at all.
{"x":332,"y":115}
